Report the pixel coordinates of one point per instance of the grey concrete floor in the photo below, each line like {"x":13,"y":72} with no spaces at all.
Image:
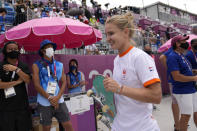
{"x":163,"y":115}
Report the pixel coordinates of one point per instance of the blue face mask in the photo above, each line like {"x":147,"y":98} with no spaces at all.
{"x":73,"y":68}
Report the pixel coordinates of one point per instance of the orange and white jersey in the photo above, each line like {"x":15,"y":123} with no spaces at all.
{"x":136,"y":69}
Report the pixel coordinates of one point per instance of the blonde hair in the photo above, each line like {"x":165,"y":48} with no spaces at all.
{"x":122,"y":22}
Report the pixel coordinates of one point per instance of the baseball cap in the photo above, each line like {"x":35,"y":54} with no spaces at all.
{"x":178,"y":38}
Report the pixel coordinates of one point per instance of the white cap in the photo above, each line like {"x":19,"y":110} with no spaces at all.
{"x":35,"y":9}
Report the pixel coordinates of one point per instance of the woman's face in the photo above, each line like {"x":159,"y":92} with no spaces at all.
{"x":12,"y":47}
{"x":115,"y":36}
{"x":73,"y":64}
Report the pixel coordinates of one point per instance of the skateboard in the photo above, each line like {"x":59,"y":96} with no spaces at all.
{"x":104,"y":99}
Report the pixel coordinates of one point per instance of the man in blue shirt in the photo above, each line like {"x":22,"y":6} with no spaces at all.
{"x":47,"y":73}
{"x":3,"y":12}
{"x":192,"y":57}
{"x":175,"y":107}
{"x":192,"y":54}
{"x":182,"y":80}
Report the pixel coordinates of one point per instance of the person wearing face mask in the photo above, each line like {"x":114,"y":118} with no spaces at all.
{"x":47,"y":73}
{"x":174,"y":105}
{"x":74,"y":78}
{"x":147,"y":49}
{"x":192,"y":55}
{"x":14,"y":75}
{"x":183,"y":80}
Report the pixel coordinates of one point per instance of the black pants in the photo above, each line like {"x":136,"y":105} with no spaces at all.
{"x":15,"y":121}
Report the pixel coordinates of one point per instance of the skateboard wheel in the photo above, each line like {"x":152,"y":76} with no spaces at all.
{"x":90,"y":92}
{"x":98,"y":117}
{"x":105,"y":108}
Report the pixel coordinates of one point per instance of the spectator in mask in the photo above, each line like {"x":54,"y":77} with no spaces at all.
{"x":47,"y":73}
{"x":74,"y":78}
{"x":192,"y":55}
{"x":183,"y":80}
{"x":14,"y":75}
{"x":147,"y":49}
{"x":20,"y":13}
{"x":174,"y":105}
{"x":65,"y":5}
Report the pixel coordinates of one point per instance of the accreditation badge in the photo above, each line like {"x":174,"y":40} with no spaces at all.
{"x":22,"y":10}
{"x":51,"y":88}
{"x":9,"y":92}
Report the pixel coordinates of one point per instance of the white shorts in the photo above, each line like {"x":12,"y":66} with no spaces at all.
{"x":174,"y":101}
{"x":187,"y":103}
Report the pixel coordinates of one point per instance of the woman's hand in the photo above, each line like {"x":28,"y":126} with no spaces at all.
{"x":82,"y":83}
{"x":111,"y":85}
{"x":9,"y":67}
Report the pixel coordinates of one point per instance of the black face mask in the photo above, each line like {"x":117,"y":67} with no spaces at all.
{"x":13,"y":54}
{"x":195,"y":47}
{"x":184,"y":45}
{"x":148,"y":52}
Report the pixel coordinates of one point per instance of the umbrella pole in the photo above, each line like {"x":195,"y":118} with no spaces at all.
{"x":77,"y":50}
{"x":82,"y":48}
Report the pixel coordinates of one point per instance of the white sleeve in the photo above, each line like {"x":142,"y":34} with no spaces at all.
{"x":146,"y":70}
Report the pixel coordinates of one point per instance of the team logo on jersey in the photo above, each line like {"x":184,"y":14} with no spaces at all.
{"x":150,"y":69}
{"x":124,"y":72}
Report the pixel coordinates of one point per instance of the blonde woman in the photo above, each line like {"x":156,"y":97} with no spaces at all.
{"x":135,"y":81}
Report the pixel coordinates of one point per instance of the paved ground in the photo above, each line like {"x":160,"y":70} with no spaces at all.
{"x":163,"y":115}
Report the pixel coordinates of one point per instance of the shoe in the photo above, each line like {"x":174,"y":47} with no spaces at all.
{"x":175,"y":129}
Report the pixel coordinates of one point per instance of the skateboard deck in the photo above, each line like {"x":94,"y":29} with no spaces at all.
{"x":104,"y":98}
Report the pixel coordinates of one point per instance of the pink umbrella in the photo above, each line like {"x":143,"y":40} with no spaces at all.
{"x":63,"y":31}
{"x":167,"y":45}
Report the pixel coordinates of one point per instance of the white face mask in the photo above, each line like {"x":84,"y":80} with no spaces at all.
{"x":49,"y":52}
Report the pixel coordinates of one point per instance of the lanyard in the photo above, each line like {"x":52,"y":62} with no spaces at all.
{"x":14,"y":72}
{"x":183,"y":58}
{"x":49,"y":70}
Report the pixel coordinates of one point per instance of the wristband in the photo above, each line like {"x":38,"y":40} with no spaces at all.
{"x":119,"y":90}
{"x":16,"y":69}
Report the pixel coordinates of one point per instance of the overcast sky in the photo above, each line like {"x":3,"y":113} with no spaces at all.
{"x":189,"y":5}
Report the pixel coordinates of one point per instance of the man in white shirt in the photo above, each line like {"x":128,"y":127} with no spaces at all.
{"x":53,"y":13}
{"x":91,"y":50}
